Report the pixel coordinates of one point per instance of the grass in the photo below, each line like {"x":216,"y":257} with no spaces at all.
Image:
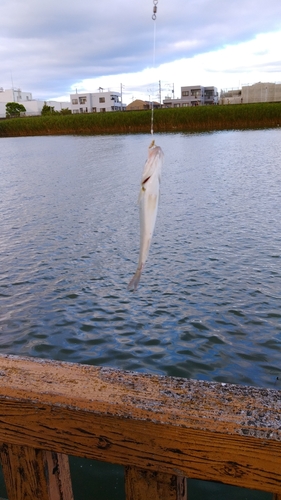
{"x":193,"y":119}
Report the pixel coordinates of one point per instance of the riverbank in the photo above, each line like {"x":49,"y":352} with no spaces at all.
{"x":194,"y":119}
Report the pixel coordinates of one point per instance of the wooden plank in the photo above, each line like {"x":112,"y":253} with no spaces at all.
{"x":59,"y":478}
{"x":35,"y":474}
{"x":209,"y":431}
{"x":276,"y":496}
{"x":142,"y":484}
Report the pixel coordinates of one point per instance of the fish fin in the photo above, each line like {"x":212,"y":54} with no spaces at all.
{"x":135,"y":279}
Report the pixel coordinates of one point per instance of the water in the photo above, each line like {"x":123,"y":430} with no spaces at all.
{"x":209,"y":302}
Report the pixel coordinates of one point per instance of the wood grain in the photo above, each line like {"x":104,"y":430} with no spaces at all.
{"x":180,"y":427}
{"x":32,"y":474}
{"x":141,"y":484}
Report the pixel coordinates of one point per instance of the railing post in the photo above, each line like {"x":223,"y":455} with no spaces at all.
{"x":141,"y":484}
{"x":35,"y":474}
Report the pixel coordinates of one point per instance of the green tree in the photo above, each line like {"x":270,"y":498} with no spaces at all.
{"x":47,"y":110}
{"x":14,"y":109}
{"x":65,"y":111}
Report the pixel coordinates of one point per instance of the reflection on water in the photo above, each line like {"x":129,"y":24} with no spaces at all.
{"x":209,"y":302}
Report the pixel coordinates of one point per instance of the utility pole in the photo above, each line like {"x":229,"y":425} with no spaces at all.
{"x":121,"y":88}
{"x":160,"y":91}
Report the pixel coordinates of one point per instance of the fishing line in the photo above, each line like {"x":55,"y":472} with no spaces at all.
{"x":155,"y":2}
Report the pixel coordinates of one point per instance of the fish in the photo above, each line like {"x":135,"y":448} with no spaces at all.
{"x":148,"y":206}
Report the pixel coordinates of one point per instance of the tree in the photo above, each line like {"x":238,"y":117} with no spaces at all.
{"x":14,"y":109}
{"x":47,"y":110}
{"x":50,"y":110}
{"x":65,"y":111}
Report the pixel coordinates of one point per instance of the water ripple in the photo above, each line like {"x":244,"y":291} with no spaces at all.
{"x":208,"y":305}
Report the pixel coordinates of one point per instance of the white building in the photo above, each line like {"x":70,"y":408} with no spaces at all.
{"x":32,"y":106}
{"x":193,"y":95}
{"x":96,"y":102}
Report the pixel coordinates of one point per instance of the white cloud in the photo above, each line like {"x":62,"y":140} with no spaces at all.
{"x":247,"y":62}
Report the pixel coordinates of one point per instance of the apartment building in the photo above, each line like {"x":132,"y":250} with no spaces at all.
{"x":96,"y":102}
{"x":193,"y":95}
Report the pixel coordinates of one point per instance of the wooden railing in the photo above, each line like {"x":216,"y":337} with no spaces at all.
{"x":162,"y":429}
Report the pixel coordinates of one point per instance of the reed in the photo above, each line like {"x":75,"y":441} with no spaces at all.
{"x":194,"y":119}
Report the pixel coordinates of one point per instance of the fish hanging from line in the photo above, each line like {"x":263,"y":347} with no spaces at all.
{"x":148,"y":206}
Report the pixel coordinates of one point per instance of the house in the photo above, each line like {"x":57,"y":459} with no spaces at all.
{"x":139,"y":105}
{"x":193,"y":95}
{"x":96,"y":102}
{"x":33,"y":106}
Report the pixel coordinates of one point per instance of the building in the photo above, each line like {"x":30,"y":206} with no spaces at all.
{"x":139,"y":105}
{"x":193,"y":95}
{"x":231,"y":96}
{"x":261,"y":92}
{"x":96,"y":102}
{"x":33,"y":106}
{"x":258,"y":92}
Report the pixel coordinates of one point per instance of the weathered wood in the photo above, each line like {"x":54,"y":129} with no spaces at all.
{"x":209,"y":431}
{"x":142,"y":484}
{"x":35,"y":474}
{"x":182,"y":488}
{"x":59,"y":478}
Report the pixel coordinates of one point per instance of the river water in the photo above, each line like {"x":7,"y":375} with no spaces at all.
{"x":208,"y":305}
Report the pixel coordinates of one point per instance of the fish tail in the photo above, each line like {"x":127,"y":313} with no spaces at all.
{"x":135,"y":279}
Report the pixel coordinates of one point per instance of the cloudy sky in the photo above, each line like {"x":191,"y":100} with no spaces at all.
{"x":51,"y":48}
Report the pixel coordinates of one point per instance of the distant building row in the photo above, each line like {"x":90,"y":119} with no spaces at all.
{"x":100,"y":102}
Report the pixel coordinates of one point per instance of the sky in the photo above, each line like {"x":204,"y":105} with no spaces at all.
{"x":53,"y":48}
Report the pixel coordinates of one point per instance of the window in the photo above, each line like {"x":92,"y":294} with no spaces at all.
{"x":82,"y":100}
{"x":94,"y":110}
{"x":74,"y":101}
{"x":102,"y":110}
{"x":185,"y":93}
{"x":102,"y":99}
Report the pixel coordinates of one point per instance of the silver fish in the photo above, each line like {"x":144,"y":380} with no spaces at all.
{"x":148,"y":206}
